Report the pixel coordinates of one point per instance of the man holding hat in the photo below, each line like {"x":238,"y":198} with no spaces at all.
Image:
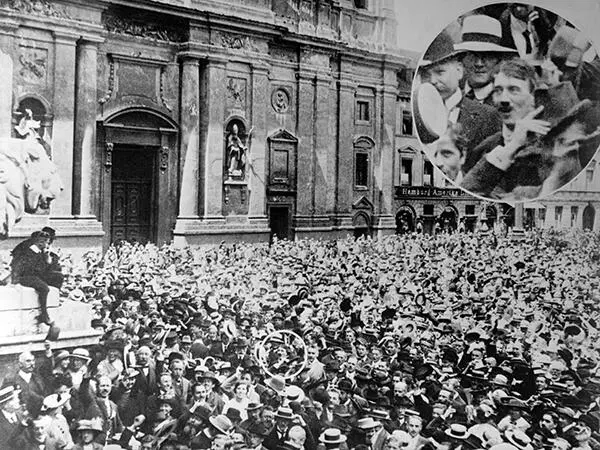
{"x":442,"y":67}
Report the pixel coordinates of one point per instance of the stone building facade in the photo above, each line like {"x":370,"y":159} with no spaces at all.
{"x":197,"y":121}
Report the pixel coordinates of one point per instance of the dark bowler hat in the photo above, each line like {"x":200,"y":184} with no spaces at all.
{"x":441,"y":50}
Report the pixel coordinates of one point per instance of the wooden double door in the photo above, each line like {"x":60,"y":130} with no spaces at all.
{"x":133,"y":215}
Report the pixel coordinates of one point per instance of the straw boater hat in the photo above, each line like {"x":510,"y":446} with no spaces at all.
{"x":332,"y":436}
{"x":481,"y":33}
{"x":367,"y":423}
{"x":90,"y":425}
{"x":81,"y":353}
{"x":54,"y":401}
{"x":519,"y":439}
{"x":221,"y":423}
{"x":7,"y":393}
{"x":457,"y":431}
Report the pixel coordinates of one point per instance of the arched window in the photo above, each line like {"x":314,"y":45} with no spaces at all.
{"x":40,"y":115}
{"x":362,"y":167}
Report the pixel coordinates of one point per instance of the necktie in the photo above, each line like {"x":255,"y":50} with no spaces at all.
{"x":528,"y":48}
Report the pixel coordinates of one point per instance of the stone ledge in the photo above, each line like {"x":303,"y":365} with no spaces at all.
{"x":12,"y":345}
{"x":16,"y":298}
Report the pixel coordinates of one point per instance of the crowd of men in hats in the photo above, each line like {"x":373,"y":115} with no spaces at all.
{"x":519,"y":89}
{"x":451,"y":341}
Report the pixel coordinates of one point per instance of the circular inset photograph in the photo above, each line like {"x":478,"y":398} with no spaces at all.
{"x":506,"y":102}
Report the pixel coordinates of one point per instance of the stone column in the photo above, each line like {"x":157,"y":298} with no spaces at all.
{"x":213,"y":153}
{"x":384,"y":195}
{"x":258,"y":146}
{"x":518,"y":229}
{"x":6,"y":79}
{"x":324,"y":176}
{"x":85,"y":182}
{"x":345,"y":150}
{"x":8,"y":29}
{"x":63,"y":127}
{"x":305,"y":206}
{"x":190,"y":142}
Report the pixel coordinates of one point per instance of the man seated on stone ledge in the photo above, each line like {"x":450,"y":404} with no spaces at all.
{"x":32,"y":266}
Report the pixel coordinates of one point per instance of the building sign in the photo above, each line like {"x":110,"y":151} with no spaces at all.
{"x":428,"y":191}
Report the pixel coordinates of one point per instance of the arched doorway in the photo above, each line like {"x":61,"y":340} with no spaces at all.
{"x":139,"y":180}
{"x":448,"y":220}
{"x":405,"y":220}
{"x":589,"y":217}
{"x":508,"y":215}
{"x":491,"y":216}
{"x":362,"y":225}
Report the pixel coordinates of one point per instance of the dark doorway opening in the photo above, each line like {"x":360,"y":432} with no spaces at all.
{"x":404,"y":222}
{"x":279,"y":222}
{"x":589,"y":216}
{"x":132,"y":195}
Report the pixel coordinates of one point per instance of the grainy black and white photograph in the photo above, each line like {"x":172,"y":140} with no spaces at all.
{"x":222,"y":226}
{"x":507,"y":101}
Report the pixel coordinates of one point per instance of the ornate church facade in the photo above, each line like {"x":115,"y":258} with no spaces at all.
{"x":197,"y":121}
{"x":201,"y":121}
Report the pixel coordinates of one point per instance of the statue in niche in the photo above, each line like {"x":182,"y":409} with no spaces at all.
{"x":237,"y":155}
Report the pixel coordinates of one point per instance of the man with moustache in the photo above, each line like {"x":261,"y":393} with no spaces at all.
{"x":514,"y":86}
{"x":442,"y":67}
{"x":481,"y":36}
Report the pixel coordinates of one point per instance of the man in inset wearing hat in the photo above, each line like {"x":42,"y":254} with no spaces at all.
{"x":481,"y":36}
{"x":513,"y":162}
{"x":11,"y":419}
{"x":442,"y":67}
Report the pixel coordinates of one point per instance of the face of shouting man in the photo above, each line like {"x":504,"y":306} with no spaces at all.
{"x":513,"y":98}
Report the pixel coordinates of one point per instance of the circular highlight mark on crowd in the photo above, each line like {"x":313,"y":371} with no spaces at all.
{"x":282,"y":353}
{"x":505,"y":102}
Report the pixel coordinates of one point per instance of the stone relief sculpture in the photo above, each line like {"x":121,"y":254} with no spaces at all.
{"x":29,"y":180}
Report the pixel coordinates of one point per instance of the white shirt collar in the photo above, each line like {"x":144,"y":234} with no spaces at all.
{"x":453,"y":101}
{"x":483,"y":92}
{"x":25,"y":376}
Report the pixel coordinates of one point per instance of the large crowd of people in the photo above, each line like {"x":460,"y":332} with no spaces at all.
{"x":470,"y":341}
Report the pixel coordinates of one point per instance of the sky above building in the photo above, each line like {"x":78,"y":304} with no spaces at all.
{"x":419,"y":21}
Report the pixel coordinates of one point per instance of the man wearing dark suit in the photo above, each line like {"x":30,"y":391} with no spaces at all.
{"x":11,"y":420}
{"x":527,"y":29}
{"x":101,"y":406}
{"x":31,"y":384}
{"x":443,"y":68}
{"x":146,"y":382}
{"x":35,"y":436}
{"x":31,"y":267}
{"x":514,"y":98}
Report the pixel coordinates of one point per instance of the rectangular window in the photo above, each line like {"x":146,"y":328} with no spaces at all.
{"x":589,"y":175}
{"x":361,"y":170}
{"x":470,"y":210}
{"x":407,"y":123}
{"x":427,"y":174}
{"x":360,"y":4}
{"x":428,"y":210}
{"x":558,"y":215}
{"x":280,"y":166}
{"x":362,"y":111}
{"x":406,"y":172}
{"x":542,"y":215}
{"x":574,"y":213}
